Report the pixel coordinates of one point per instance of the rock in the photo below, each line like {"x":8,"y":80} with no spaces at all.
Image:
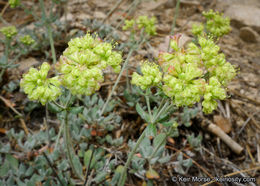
{"x":244,"y":15}
{"x":99,"y":15}
{"x":153,"y":5}
{"x":170,"y":4}
{"x":248,"y":34}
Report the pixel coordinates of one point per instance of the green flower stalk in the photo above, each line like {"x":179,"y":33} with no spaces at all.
{"x":27,"y":40}
{"x":8,"y":31}
{"x":82,"y":63}
{"x":14,"y":3}
{"x":151,"y":76}
{"x":38,"y":87}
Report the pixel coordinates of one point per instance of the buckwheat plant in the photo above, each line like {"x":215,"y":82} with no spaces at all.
{"x":216,"y":25}
{"x":185,"y":77}
{"x":80,"y":71}
{"x":14,"y":48}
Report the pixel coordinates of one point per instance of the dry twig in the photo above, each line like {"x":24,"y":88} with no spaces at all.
{"x":8,"y":104}
{"x":234,"y":146}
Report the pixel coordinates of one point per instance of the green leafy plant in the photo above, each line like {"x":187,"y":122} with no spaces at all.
{"x":80,"y":69}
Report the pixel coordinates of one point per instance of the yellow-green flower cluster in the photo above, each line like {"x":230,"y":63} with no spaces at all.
{"x":129,"y":24}
{"x":142,"y":22}
{"x":8,"y":31}
{"x":182,"y":74}
{"x":27,"y":40}
{"x":14,"y":3}
{"x":82,"y":63}
{"x":151,"y":76}
{"x":215,"y":62}
{"x":213,"y":91}
{"x":147,"y":24}
{"x":197,"y":29}
{"x":216,"y":25}
{"x":194,"y":72}
{"x":38,"y":87}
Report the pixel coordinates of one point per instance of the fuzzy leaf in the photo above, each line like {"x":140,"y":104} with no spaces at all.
{"x":54,"y":108}
{"x":76,"y":110}
{"x":12,"y":161}
{"x":158,"y":140}
{"x":142,"y":113}
{"x":87,"y":157}
{"x":152,"y":174}
{"x":150,"y":130}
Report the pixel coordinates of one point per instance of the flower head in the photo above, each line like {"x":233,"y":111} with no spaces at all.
{"x":197,"y":29}
{"x":38,"y":87}
{"x":14,"y":3}
{"x":27,"y":40}
{"x":129,"y":24}
{"x":151,"y":75}
{"x":9,"y":31}
{"x":147,"y":24}
{"x":195,"y":72}
{"x":82,"y":63}
{"x":216,"y":24}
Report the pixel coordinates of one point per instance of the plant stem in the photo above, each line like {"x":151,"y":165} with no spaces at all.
{"x":49,"y":30}
{"x":68,"y":143}
{"x":174,"y":20}
{"x":130,"y":157}
{"x":1,"y":74}
{"x":148,"y":104}
{"x":51,"y":43}
{"x":67,"y":139}
{"x":7,"y":45}
{"x":59,"y":134}
{"x":133,"y":48}
{"x":117,"y":81}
